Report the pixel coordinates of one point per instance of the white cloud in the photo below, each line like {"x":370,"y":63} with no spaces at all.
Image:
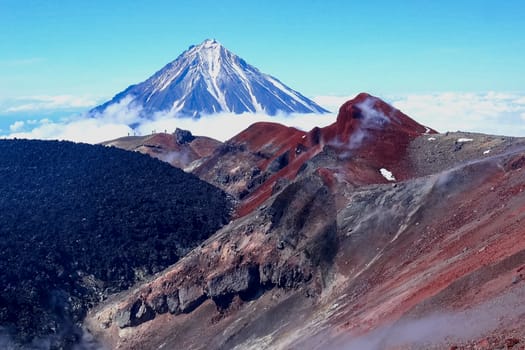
{"x":520,"y":100}
{"x":223,"y":126}
{"x":87,"y":130}
{"x":123,"y":112}
{"x":491,"y":112}
{"x":16,"y":126}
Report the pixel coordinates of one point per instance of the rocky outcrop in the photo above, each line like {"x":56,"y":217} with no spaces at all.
{"x":162,"y":304}
{"x":183,"y":136}
{"x":139,"y":312}
{"x":190,"y":296}
{"x":240,"y":280}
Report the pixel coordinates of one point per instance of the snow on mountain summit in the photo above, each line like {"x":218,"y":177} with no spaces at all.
{"x":208,"y":78}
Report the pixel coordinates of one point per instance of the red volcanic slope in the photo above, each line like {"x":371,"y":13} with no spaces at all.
{"x":373,"y":129}
{"x":368,"y":135}
{"x":272,"y":141}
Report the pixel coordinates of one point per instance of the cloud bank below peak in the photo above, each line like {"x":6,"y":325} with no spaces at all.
{"x":116,"y":121}
{"x":490,"y":112}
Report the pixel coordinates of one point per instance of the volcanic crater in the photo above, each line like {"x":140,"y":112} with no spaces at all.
{"x":374,"y":232}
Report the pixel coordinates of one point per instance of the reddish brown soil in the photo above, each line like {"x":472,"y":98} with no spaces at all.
{"x":368,"y":135}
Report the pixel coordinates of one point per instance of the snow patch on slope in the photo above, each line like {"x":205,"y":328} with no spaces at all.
{"x":387,"y":174}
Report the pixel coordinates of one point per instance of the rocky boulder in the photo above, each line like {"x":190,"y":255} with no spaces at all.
{"x":190,"y":297}
{"x":183,"y":136}
{"x":239,"y":280}
{"x":135,"y":314}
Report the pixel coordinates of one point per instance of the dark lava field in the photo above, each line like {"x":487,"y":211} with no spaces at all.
{"x":79,"y":222}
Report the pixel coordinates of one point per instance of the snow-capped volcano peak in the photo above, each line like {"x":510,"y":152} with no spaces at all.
{"x":208,"y":78}
{"x":210,"y":43}
{"x":207,"y":50}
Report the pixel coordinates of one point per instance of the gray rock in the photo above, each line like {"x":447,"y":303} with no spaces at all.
{"x":235,"y":281}
{"x":190,"y":297}
{"x":159,"y":304}
{"x":142,"y":311}
{"x":291,"y":277}
{"x":173,"y":303}
{"x":279,"y":162}
{"x":135,"y":314}
{"x":266,"y":273}
{"x":279,"y":185}
{"x":183,"y":136}
{"x":123,"y":318}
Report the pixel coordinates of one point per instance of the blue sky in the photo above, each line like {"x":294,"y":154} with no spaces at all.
{"x":70,"y":54}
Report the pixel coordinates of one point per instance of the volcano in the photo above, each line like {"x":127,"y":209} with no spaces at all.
{"x":207,"y":79}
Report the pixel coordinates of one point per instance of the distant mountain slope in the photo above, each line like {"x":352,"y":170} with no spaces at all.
{"x":179,"y":149}
{"x":208,"y":78}
{"x":78,"y":222}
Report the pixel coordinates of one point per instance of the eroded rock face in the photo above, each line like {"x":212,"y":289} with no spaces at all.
{"x":161,"y":304}
{"x":245,"y":261}
{"x":242,"y":279}
{"x":173,"y":303}
{"x":190,"y":297}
